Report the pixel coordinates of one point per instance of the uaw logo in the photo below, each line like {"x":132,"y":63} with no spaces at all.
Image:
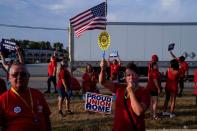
{"x":104,"y":40}
{"x":17,"y":109}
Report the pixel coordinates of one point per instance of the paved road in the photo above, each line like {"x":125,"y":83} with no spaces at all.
{"x":39,"y":77}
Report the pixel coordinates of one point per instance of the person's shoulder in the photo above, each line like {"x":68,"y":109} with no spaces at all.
{"x":4,"y":94}
{"x":35,"y":91}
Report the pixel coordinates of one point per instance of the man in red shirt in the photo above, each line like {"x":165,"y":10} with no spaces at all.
{"x":23,"y":108}
{"x":52,"y":67}
{"x":114,"y":68}
{"x":132,"y":100}
{"x":183,"y":69}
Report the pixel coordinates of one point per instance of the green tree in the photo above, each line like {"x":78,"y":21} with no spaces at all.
{"x":58,"y":46}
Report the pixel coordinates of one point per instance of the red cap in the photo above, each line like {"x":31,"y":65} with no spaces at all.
{"x":155,"y":58}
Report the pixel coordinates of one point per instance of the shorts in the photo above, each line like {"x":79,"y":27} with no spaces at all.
{"x":153,"y":93}
{"x":61,"y":92}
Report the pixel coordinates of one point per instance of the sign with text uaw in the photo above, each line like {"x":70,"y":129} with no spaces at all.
{"x":98,"y":103}
{"x":7,"y":46}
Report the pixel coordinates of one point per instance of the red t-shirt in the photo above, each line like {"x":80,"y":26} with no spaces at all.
{"x":195,"y":81}
{"x":114,"y":69}
{"x":17,"y":116}
{"x":121,"y":120}
{"x":172,"y":81}
{"x":75,"y":84}
{"x":63,"y":74}
{"x":51,"y":67}
{"x":183,"y":67}
{"x":153,"y":74}
{"x":89,"y":82}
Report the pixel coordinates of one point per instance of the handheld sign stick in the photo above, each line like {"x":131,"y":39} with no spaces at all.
{"x":103,"y":54}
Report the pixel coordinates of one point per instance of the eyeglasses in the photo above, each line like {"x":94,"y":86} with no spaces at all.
{"x":21,"y":74}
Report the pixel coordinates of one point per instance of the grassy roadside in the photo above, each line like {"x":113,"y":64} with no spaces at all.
{"x":185,"y":109}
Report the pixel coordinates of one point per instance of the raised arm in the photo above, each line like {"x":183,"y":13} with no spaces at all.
{"x":102,"y":77}
{"x":108,"y":61}
{"x":119,"y":61}
{"x":20,"y":56}
{"x":5,"y":66}
{"x":172,"y":54}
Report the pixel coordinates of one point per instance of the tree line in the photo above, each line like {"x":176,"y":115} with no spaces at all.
{"x":40,"y":45}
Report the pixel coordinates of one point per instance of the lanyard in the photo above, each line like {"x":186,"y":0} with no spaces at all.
{"x":24,"y":101}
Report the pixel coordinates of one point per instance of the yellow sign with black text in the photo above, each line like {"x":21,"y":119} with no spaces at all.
{"x":104,"y":40}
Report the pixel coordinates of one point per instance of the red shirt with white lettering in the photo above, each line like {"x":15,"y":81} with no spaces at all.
{"x":15,"y":115}
{"x":122,"y":121}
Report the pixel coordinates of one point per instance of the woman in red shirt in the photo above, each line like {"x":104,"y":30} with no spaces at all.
{"x":63,"y":88}
{"x":154,"y":86}
{"x":89,"y":80}
{"x":132,"y":100}
{"x":171,"y":89}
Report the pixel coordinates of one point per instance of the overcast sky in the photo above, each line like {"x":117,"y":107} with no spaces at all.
{"x":56,"y":14}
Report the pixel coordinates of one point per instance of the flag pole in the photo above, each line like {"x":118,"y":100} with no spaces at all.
{"x":105,"y":29}
{"x":70,"y":45}
{"x":106,"y":8}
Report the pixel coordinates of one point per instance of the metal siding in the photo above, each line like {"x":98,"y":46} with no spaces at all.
{"x":138,"y":41}
{"x":189,"y":40}
{"x":153,"y":41}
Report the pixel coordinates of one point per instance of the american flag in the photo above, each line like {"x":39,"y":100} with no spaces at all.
{"x":94,"y":18}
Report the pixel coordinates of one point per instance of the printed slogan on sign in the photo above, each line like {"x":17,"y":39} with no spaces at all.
{"x":98,"y":103}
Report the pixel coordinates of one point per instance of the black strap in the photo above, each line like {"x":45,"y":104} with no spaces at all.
{"x":130,"y":117}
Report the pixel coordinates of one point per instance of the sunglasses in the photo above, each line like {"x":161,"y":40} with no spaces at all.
{"x":21,"y":74}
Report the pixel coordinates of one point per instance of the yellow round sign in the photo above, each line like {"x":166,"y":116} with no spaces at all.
{"x":104,"y":40}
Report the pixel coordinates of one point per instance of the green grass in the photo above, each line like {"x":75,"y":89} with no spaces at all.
{"x":185,"y":109}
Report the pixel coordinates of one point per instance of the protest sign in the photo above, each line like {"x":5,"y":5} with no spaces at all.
{"x":114,"y":54}
{"x":7,"y":46}
{"x":171,"y":46}
{"x":98,"y":103}
{"x":104,"y":40}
